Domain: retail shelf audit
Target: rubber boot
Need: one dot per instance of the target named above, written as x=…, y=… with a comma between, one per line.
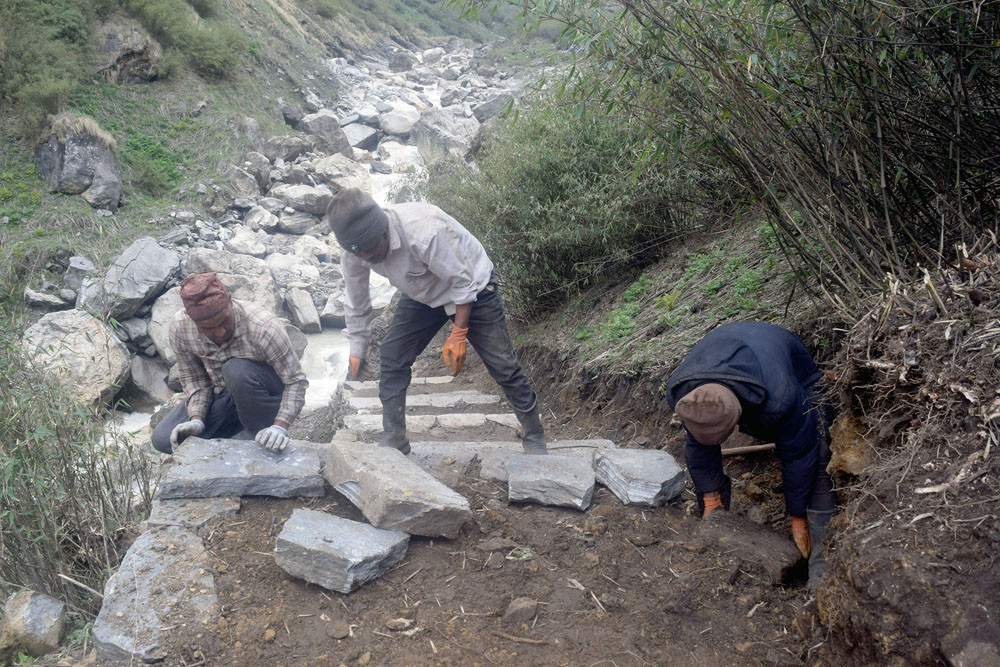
x=725, y=494
x=394, y=423
x=818, y=521
x=532, y=433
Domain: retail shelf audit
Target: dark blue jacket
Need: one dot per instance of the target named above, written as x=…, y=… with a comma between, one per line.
x=773, y=375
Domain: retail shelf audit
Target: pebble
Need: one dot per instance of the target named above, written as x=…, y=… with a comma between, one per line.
x=398, y=624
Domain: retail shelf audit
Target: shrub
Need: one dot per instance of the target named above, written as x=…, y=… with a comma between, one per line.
x=561, y=198
x=67, y=496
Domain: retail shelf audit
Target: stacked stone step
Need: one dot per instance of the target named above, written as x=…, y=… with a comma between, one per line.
x=567, y=477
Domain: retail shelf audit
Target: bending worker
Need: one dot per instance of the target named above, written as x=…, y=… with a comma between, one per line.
x=237, y=367
x=760, y=378
x=444, y=273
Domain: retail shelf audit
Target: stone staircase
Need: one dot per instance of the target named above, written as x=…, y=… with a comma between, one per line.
x=165, y=582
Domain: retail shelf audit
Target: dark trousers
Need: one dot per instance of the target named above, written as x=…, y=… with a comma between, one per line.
x=414, y=325
x=251, y=401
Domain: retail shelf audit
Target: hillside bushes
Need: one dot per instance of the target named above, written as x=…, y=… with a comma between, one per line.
x=561, y=198
x=866, y=128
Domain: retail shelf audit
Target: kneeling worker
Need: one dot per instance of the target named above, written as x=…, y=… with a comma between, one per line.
x=237, y=368
x=444, y=273
x=761, y=378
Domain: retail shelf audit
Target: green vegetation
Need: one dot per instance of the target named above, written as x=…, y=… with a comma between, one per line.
x=20, y=194
x=561, y=199
x=67, y=499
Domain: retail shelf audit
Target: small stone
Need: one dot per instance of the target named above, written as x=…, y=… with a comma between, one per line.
x=520, y=610
x=338, y=630
x=399, y=624
x=269, y=635
x=365, y=658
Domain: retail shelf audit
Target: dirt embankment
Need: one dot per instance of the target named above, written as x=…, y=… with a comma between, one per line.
x=912, y=574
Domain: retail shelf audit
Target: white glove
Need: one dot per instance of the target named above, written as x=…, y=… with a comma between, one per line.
x=184, y=429
x=273, y=438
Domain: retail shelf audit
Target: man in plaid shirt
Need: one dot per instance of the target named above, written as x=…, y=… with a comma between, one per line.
x=237, y=367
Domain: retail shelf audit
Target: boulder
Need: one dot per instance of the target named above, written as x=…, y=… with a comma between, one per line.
x=325, y=126
x=79, y=269
x=246, y=277
x=491, y=107
x=440, y=133
x=305, y=198
x=303, y=311
x=398, y=122
x=245, y=242
x=259, y=218
x=79, y=352
x=258, y=165
x=296, y=222
x=125, y=52
x=433, y=55
x=77, y=155
x=138, y=275
x=361, y=136
x=163, y=311
x=291, y=271
x=149, y=379
x=285, y=147
x=402, y=61
x=32, y=623
x=341, y=173
x=244, y=183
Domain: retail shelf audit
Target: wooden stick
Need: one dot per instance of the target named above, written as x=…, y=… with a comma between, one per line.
x=522, y=640
x=83, y=586
x=750, y=449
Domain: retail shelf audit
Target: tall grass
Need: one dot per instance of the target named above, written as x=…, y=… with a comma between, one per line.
x=68, y=497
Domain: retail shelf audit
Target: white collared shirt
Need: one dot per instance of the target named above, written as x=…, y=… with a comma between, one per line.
x=431, y=258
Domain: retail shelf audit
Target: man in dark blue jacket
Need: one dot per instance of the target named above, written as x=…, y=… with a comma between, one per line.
x=761, y=378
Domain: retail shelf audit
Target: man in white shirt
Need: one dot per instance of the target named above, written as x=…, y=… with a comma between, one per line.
x=444, y=273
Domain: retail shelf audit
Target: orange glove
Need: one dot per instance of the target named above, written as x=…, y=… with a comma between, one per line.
x=800, y=534
x=713, y=501
x=354, y=366
x=453, y=352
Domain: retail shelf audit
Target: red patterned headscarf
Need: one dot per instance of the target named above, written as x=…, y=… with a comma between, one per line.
x=204, y=295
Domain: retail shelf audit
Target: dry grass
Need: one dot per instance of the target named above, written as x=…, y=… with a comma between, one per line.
x=63, y=125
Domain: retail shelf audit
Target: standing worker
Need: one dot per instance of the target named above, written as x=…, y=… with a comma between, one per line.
x=758, y=377
x=444, y=273
x=237, y=367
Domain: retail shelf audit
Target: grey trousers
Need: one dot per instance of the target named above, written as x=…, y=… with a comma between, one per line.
x=251, y=401
x=414, y=325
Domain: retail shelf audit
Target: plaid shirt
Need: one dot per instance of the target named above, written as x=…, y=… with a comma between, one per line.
x=258, y=336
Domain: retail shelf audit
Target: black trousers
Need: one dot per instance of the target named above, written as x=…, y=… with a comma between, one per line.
x=250, y=400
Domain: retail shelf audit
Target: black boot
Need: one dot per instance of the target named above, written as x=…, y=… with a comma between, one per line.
x=818, y=521
x=532, y=433
x=394, y=423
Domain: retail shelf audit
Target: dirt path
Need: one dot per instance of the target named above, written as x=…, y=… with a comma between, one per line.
x=615, y=585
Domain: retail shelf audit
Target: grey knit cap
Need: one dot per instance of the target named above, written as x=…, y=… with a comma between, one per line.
x=356, y=220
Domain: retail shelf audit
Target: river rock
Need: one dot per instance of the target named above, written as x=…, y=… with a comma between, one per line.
x=303, y=311
x=32, y=623
x=440, y=133
x=79, y=352
x=138, y=275
x=341, y=173
x=305, y=198
x=325, y=126
x=158, y=328
x=247, y=278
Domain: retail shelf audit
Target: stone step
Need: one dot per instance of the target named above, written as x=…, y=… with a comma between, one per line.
x=338, y=554
x=564, y=481
x=640, y=476
x=366, y=424
x=447, y=460
x=372, y=385
x=450, y=399
x=392, y=491
x=165, y=581
x=221, y=467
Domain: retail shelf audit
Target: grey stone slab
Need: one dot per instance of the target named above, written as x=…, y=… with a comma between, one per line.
x=565, y=481
x=373, y=423
x=163, y=582
x=494, y=459
x=394, y=492
x=214, y=468
x=338, y=554
x=640, y=476
x=449, y=399
x=354, y=385
x=446, y=461
x=189, y=512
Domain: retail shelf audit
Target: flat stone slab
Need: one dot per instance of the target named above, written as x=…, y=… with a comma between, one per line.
x=355, y=385
x=448, y=399
x=364, y=424
x=394, y=492
x=164, y=584
x=338, y=554
x=221, y=467
x=189, y=512
x=566, y=481
x=776, y=554
x=494, y=460
x=640, y=476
